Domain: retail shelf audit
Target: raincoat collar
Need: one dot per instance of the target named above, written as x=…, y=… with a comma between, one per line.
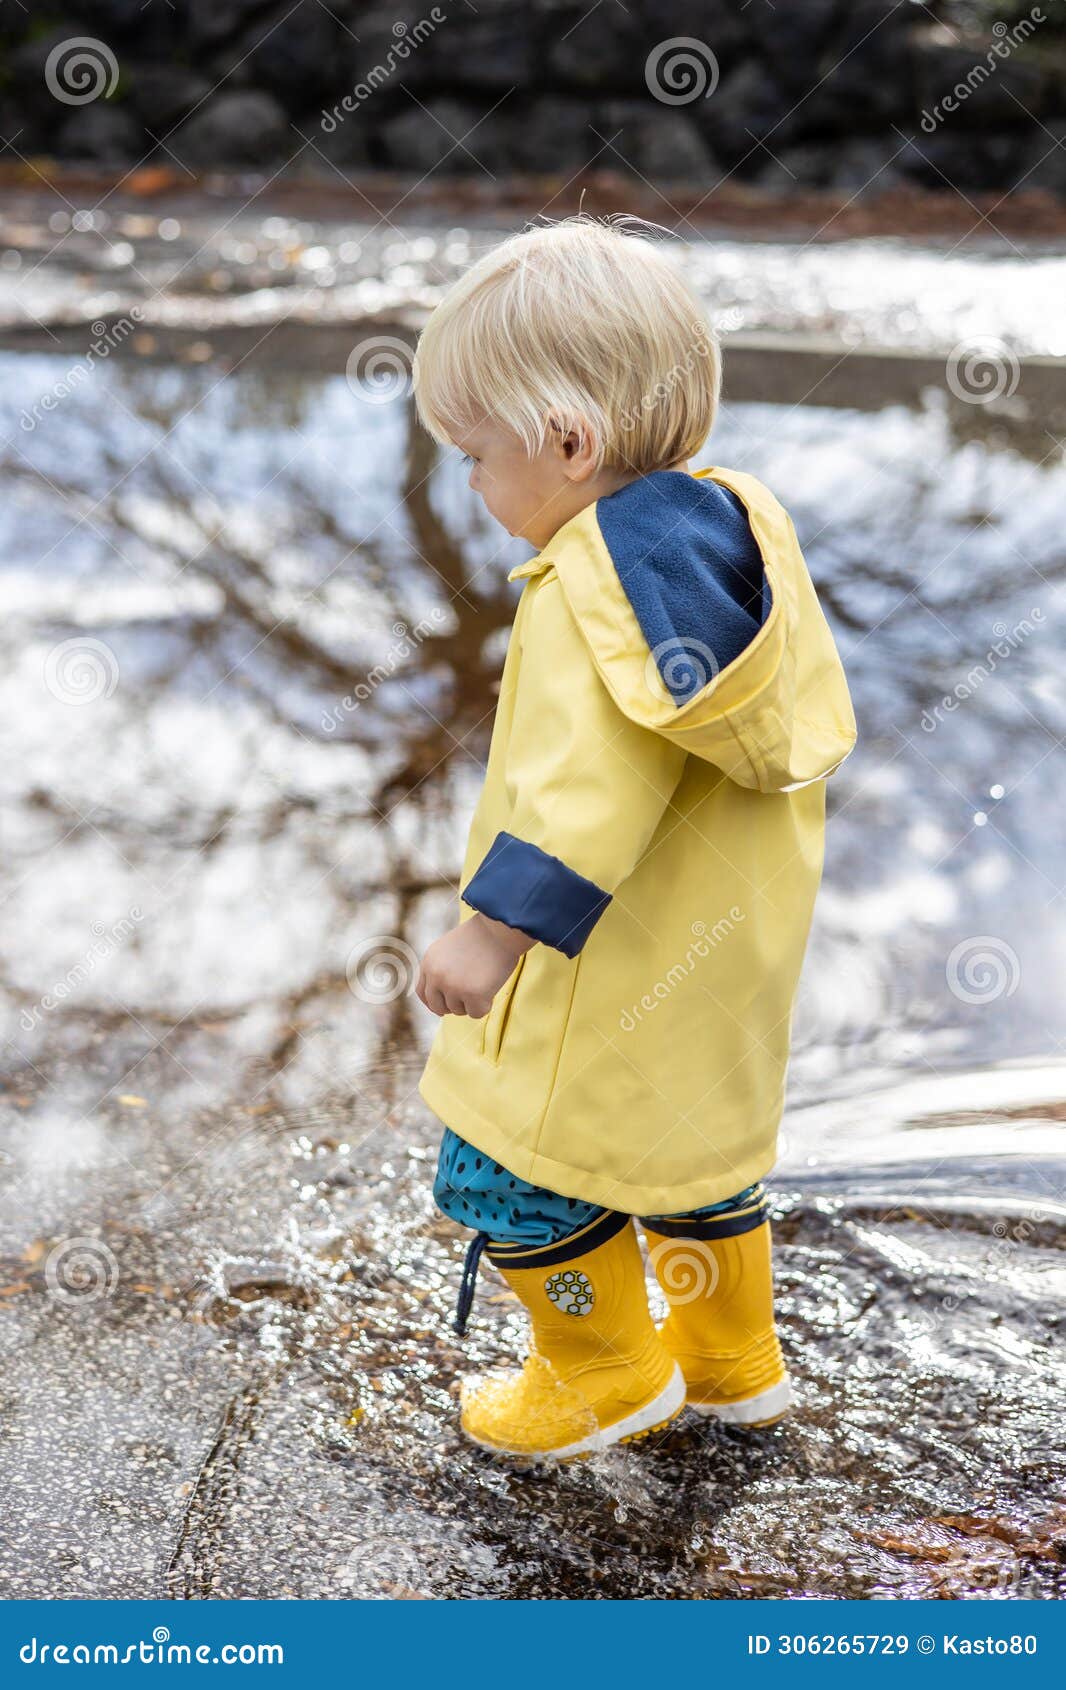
x=532, y=566
x=543, y=560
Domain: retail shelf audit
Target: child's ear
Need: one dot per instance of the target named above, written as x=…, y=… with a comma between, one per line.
x=574, y=445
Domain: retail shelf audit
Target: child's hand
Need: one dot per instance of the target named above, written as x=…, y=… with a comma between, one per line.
x=463, y=970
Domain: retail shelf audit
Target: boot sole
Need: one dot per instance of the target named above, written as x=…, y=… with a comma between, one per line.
x=766, y=1409
x=651, y=1418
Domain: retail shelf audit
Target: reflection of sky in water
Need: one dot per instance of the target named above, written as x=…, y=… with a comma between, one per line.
x=263, y=824
x=886, y=292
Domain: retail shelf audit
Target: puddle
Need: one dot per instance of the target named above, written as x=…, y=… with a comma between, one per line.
x=253, y=625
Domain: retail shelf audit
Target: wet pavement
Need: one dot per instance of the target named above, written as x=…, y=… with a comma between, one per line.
x=239, y=1381
x=190, y=263
x=253, y=623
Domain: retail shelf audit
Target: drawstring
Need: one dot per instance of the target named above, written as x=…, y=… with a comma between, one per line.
x=469, y=1281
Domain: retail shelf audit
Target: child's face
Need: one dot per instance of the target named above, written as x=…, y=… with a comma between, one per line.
x=533, y=497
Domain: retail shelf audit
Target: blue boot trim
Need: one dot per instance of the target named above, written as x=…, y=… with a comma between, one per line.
x=579, y=1243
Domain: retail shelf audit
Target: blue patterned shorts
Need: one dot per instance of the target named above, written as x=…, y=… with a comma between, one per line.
x=476, y=1191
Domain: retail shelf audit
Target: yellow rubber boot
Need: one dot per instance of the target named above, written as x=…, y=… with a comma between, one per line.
x=597, y=1372
x=720, y=1327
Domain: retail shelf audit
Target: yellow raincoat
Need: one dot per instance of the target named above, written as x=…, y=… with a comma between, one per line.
x=657, y=822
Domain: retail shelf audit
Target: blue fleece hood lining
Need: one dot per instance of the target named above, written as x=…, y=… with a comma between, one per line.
x=692, y=571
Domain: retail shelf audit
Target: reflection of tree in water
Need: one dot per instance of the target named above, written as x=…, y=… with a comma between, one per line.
x=282, y=614
x=898, y=572
x=276, y=587
x=1015, y=424
x=268, y=613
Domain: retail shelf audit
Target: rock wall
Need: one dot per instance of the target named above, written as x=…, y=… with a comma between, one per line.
x=853, y=95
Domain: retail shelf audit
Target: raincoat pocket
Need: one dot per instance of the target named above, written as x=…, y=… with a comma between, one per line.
x=494, y=1025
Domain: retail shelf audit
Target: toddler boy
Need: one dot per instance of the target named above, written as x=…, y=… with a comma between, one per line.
x=644, y=857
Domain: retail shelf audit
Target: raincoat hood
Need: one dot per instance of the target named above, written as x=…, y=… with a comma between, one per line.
x=693, y=597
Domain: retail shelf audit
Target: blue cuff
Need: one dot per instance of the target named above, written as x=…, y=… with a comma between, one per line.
x=523, y=887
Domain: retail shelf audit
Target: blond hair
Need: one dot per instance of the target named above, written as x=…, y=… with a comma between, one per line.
x=577, y=325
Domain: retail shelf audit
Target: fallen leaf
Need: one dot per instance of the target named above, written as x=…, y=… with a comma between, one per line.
x=44, y=169
x=151, y=179
x=1049, y=1544
x=904, y=1546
